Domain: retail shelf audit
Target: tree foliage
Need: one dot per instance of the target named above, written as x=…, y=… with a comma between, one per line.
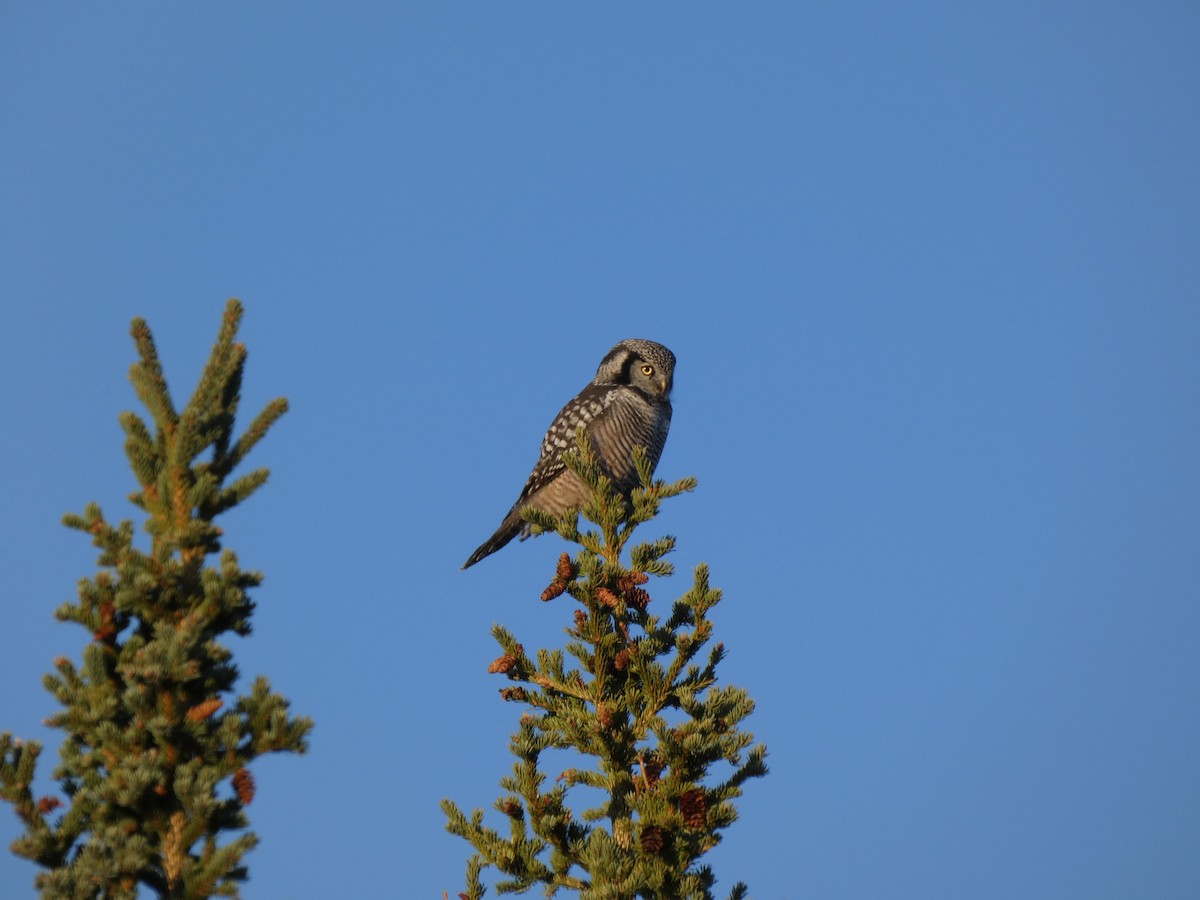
x=154, y=766
x=634, y=695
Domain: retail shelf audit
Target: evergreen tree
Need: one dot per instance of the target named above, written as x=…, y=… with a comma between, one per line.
x=646, y=721
x=154, y=765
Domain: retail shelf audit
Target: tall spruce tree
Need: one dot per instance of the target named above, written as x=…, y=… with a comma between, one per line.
x=646, y=722
x=154, y=764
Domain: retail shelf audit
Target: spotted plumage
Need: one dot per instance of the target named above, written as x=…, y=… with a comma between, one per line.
x=627, y=405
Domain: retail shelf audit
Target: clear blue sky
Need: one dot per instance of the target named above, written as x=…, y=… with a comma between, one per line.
x=932, y=277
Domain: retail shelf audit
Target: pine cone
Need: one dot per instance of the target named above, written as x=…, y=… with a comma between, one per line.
x=502, y=664
x=694, y=808
x=514, y=694
x=107, y=630
x=554, y=589
x=652, y=840
x=563, y=573
x=48, y=804
x=637, y=597
x=202, y=711
x=243, y=785
x=608, y=598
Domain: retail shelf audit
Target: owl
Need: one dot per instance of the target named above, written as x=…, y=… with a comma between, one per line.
x=627, y=405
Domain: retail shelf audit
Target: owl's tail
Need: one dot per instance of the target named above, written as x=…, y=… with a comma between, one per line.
x=509, y=529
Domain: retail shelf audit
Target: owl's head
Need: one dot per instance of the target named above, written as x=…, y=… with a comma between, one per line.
x=644, y=365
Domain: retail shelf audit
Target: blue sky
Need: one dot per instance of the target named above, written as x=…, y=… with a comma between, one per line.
x=930, y=271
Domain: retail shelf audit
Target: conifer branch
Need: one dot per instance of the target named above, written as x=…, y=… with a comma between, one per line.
x=256, y=431
x=154, y=765
x=664, y=799
x=148, y=380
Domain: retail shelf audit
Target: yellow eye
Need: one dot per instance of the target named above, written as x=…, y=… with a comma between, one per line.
x=647, y=370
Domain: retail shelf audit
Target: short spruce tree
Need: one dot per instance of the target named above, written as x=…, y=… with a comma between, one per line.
x=657, y=749
x=155, y=760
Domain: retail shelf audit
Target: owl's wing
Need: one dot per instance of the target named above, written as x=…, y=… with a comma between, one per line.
x=587, y=407
x=661, y=427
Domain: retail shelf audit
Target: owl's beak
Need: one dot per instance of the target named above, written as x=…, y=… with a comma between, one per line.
x=664, y=386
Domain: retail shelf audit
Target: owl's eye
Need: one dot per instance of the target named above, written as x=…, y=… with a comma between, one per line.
x=647, y=370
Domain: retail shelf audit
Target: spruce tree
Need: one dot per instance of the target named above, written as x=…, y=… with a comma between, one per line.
x=657, y=750
x=154, y=768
